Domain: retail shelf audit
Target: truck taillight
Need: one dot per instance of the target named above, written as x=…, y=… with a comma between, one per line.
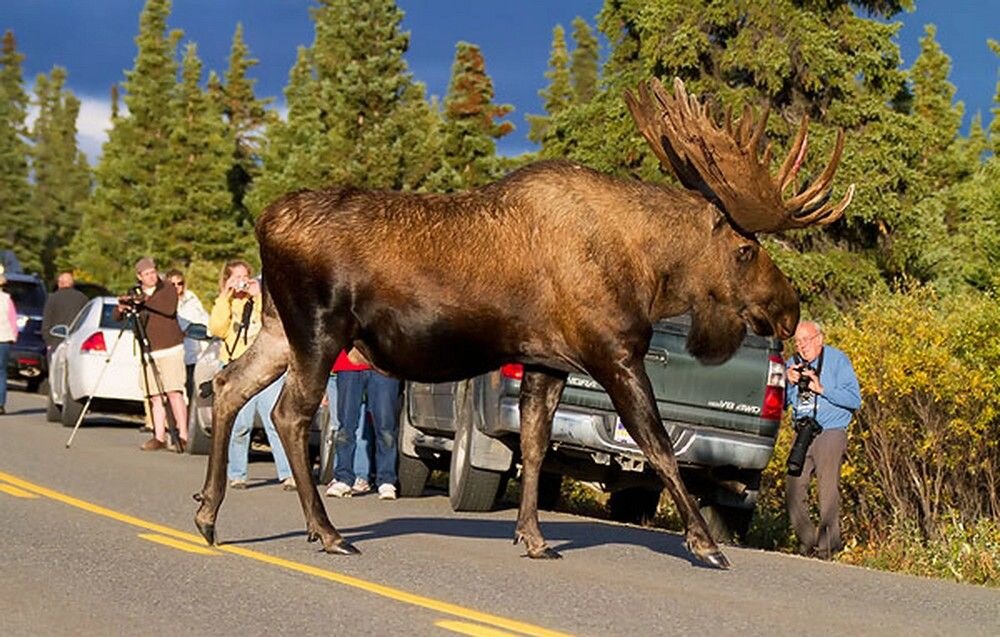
x=514, y=371
x=94, y=343
x=774, y=392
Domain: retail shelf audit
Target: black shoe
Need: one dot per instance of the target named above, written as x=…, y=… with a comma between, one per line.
x=2, y=410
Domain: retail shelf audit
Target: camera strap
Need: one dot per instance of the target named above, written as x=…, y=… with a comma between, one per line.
x=819, y=371
x=243, y=329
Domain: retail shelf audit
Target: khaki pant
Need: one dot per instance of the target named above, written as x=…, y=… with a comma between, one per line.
x=824, y=458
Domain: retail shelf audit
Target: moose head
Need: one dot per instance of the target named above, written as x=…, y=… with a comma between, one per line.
x=737, y=283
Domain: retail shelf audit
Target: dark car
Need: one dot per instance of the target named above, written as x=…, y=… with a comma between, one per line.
x=28, y=360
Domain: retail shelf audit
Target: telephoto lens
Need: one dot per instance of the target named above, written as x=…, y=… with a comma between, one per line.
x=806, y=430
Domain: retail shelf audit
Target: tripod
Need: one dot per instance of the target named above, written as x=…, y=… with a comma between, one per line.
x=134, y=322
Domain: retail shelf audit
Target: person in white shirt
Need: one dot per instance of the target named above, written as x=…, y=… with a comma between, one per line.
x=189, y=310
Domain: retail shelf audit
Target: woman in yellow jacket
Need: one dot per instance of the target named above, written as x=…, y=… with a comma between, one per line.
x=236, y=320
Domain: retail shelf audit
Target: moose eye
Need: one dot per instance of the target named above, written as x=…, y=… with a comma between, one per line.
x=745, y=253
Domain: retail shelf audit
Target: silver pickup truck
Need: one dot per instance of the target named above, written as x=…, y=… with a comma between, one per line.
x=723, y=421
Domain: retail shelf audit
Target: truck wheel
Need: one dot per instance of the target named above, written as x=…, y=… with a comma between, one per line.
x=34, y=385
x=199, y=441
x=728, y=525
x=469, y=488
x=413, y=470
x=549, y=490
x=634, y=505
x=53, y=413
x=71, y=409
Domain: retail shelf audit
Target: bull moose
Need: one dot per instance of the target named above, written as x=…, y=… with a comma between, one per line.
x=555, y=266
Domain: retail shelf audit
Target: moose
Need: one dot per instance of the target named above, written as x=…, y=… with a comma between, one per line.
x=556, y=266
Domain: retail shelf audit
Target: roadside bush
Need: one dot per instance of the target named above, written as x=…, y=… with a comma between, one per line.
x=924, y=443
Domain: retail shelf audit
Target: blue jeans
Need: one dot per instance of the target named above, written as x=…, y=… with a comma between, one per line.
x=381, y=395
x=364, y=444
x=4, y=356
x=239, y=442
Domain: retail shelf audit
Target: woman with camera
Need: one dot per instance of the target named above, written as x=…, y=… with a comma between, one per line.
x=235, y=318
x=824, y=394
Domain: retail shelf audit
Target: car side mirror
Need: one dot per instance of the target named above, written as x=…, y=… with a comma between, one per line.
x=198, y=332
x=59, y=331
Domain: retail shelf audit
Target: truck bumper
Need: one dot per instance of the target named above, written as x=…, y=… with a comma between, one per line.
x=601, y=432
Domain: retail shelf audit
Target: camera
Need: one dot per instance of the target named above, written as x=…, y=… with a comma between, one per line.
x=806, y=430
x=132, y=300
x=241, y=286
x=803, y=383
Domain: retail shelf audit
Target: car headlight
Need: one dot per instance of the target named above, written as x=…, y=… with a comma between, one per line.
x=21, y=322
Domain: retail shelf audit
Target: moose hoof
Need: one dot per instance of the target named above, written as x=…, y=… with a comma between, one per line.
x=207, y=531
x=342, y=547
x=715, y=559
x=545, y=553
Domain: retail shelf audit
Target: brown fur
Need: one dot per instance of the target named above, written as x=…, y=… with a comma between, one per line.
x=556, y=266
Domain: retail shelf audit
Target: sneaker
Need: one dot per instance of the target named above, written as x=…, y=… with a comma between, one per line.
x=3, y=411
x=153, y=445
x=339, y=489
x=288, y=484
x=238, y=483
x=387, y=491
x=361, y=486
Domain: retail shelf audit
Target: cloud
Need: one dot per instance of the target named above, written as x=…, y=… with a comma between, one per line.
x=92, y=125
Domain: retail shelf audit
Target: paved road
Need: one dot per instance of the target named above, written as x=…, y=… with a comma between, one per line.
x=98, y=540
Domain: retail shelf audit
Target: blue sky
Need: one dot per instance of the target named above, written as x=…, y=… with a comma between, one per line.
x=95, y=41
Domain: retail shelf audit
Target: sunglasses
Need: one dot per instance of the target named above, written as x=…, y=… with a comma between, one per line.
x=178, y=284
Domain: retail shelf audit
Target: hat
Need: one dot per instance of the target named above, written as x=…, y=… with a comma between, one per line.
x=144, y=264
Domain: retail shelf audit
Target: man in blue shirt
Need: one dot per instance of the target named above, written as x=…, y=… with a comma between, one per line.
x=832, y=397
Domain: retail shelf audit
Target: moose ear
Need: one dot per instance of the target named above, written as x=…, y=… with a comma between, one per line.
x=719, y=219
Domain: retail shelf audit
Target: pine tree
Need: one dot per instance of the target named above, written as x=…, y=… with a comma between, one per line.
x=559, y=93
x=191, y=192
x=584, y=65
x=60, y=171
x=356, y=102
x=995, y=122
x=123, y=219
x=471, y=120
x=19, y=224
x=246, y=117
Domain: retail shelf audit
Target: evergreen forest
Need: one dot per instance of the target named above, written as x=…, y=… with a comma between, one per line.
x=906, y=282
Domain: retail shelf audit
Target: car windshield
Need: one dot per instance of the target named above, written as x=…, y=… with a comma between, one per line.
x=29, y=296
x=108, y=319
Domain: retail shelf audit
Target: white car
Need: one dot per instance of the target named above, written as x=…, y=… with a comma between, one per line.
x=98, y=357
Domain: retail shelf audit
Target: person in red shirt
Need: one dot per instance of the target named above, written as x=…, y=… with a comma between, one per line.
x=359, y=384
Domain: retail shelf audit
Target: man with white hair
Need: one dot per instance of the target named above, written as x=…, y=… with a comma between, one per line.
x=830, y=395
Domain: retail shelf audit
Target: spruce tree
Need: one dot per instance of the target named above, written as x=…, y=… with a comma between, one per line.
x=19, y=224
x=356, y=100
x=190, y=191
x=246, y=118
x=123, y=219
x=60, y=173
x=471, y=120
x=558, y=95
x=584, y=65
x=995, y=122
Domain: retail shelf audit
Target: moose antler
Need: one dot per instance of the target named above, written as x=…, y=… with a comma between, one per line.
x=721, y=162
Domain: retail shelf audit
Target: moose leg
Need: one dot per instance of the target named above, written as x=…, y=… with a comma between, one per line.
x=257, y=368
x=540, y=392
x=631, y=392
x=300, y=397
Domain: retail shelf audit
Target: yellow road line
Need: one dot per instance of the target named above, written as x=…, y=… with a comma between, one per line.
x=17, y=493
x=475, y=630
x=178, y=544
x=333, y=576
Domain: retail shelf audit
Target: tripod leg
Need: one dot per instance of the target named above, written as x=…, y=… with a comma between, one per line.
x=97, y=385
x=148, y=360
x=258, y=367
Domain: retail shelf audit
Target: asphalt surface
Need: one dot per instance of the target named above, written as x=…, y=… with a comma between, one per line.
x=98, y=539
